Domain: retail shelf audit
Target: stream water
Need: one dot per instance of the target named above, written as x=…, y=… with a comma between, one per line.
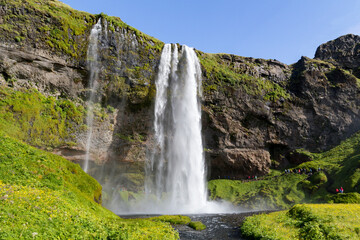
x=218, y=226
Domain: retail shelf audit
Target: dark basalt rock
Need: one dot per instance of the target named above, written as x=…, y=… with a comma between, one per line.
x=323, y=110
x=343, y=51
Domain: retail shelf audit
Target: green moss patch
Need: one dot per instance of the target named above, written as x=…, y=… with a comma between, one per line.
x=221, y=74
x=41, y=121
x=53, y=23
x=175, y=220
x=198, y=226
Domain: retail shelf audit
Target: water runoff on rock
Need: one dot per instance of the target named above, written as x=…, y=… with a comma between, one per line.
x=93, y=67
x=175, y=171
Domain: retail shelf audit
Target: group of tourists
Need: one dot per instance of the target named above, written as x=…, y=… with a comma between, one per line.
x=302, y=171
x=340, y=190
x=248, y=178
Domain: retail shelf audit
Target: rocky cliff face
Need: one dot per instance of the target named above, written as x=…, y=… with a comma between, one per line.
x=320, y=110
x=254, y=110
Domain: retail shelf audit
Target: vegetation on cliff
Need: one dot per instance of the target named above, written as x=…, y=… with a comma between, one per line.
x=43, y=195
x=54, y=23
x=41, y=121
x=221, y=73
x=308, y=221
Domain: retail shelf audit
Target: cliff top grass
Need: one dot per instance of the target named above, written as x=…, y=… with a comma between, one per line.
x=54, y=25
x=220, y=73
x=307, y=221
x=45, y=196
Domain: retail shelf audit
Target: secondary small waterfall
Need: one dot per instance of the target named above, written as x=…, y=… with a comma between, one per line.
x=176, y=170
x=93, y=67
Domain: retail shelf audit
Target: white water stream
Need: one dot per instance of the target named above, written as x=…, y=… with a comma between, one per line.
x=93, y=67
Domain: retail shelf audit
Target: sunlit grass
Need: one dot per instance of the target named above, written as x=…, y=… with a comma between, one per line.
x=43, y=195
x=308, y=221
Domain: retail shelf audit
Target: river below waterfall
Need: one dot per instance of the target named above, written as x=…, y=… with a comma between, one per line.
x=218, y=226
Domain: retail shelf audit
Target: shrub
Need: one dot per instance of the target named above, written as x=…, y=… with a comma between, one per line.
x=352, y=197
x=198, y=226
x=175, y=220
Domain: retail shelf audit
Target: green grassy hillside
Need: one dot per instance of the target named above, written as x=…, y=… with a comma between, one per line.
x=46, y=196
x=340, y=168
x=310, y=221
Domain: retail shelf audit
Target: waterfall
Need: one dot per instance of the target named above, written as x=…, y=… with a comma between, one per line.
x=93, y=67
x=176, y=172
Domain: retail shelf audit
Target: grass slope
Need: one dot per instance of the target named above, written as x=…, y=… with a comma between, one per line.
x=43, y=195
x=341, y=168
x=308, y=221
x=270, y=193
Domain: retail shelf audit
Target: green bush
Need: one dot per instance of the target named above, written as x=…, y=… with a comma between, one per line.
x=319, y=178
x=175, y=220
x=352, y=197
x=306, y=221
x=198, y=226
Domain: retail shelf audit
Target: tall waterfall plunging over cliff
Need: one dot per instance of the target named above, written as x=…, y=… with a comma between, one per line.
x=93, y=67
x=176, y=169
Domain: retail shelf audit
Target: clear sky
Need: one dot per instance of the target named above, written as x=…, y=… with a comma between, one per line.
x=278, y=29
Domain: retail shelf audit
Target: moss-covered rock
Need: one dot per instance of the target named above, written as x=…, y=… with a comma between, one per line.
x=198, y=226
x=45, y=122
x=175, y=220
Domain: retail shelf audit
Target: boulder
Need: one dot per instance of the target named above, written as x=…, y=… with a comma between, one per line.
x=343, y=51
x=240, y=163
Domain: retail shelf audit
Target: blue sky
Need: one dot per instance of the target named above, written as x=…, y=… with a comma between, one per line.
x=278, y=29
